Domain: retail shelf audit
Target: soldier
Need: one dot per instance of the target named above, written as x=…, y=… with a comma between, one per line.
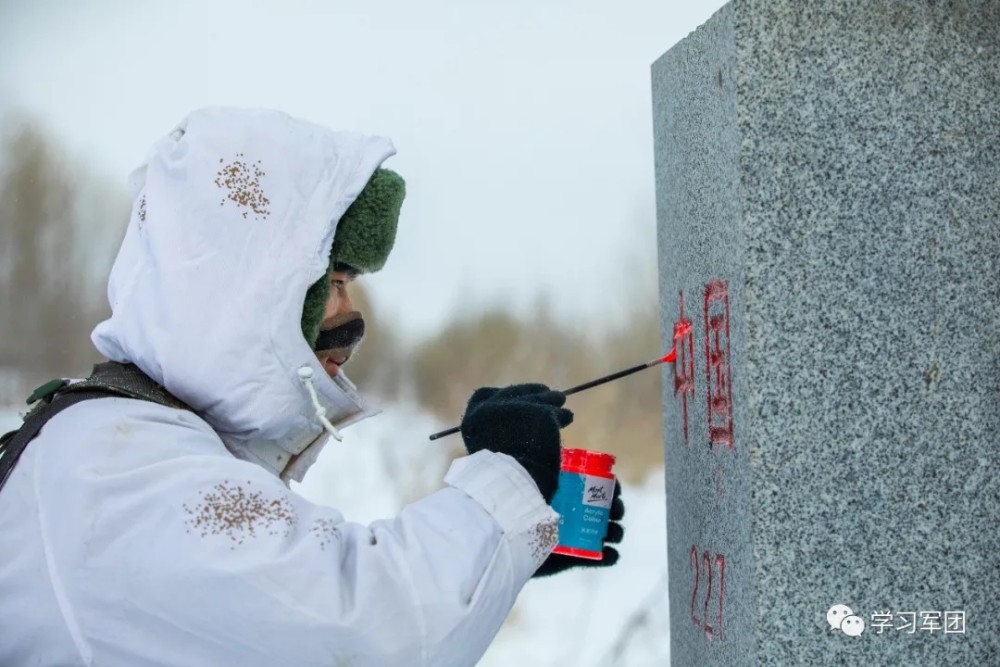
x=153, y=524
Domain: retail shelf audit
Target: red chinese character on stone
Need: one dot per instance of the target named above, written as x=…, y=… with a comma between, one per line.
x=684, y=363
x=717, y=364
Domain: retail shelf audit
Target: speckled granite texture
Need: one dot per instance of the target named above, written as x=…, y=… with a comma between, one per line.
x=837, y=164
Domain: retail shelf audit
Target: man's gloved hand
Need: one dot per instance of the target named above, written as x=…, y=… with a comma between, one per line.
x=558, y=562
x=523, y=421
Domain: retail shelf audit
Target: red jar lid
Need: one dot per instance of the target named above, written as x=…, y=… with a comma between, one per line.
x=587, y=462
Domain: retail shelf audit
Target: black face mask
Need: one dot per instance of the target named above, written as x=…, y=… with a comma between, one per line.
x=341, y=333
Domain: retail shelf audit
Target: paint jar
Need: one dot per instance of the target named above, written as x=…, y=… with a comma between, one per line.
x=583, y=501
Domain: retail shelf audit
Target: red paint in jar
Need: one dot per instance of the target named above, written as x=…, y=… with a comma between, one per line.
x=583, y=500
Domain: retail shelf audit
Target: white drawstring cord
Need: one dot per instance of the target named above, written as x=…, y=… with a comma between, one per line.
x=306, y=376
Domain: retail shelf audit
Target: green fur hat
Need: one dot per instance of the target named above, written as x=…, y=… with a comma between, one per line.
x=365, y=235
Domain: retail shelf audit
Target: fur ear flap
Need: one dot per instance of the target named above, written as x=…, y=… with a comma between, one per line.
x=312, y=311
x=365, y=236
x=367, y=230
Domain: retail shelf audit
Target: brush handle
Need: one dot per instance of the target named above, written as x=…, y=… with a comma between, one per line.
x=573, y=390
x=608, y=378
x=441, y=434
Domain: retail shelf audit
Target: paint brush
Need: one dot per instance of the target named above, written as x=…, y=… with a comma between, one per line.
x=668, y=358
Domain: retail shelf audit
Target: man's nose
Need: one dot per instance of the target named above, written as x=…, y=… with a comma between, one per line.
x=345, y=304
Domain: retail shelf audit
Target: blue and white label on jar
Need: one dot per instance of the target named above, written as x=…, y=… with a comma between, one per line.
x=584, y=505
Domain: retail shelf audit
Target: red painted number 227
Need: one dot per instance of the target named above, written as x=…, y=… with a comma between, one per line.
x=709, y=565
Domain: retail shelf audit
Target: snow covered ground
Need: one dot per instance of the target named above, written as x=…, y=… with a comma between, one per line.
x=615, y=617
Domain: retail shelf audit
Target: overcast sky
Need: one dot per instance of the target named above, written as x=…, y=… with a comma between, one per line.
x=523, y=129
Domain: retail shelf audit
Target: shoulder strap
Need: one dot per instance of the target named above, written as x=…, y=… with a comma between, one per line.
x=13, y=443
x=128, y=381
x=108, y=379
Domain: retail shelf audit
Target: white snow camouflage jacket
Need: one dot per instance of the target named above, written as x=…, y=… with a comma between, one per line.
x=134, y=534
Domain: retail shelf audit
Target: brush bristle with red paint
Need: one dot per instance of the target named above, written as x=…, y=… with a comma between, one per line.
x=681, y=329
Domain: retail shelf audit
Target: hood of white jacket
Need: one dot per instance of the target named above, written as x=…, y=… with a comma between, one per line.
x=233, y=218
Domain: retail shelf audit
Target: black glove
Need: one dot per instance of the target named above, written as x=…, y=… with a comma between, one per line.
x=523, y=421
x=558, y=562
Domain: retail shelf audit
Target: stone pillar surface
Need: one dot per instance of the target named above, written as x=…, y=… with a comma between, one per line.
x=828, y=203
